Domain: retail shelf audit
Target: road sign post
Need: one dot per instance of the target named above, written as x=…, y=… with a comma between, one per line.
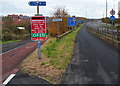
x=72, y=22
x=37, y=3
x=112, y=18
x=57, y=20
x=38, y=24
x=112, y=12
x=38, y=30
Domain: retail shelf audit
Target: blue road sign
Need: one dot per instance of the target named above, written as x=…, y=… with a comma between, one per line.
x=80, y=21
x=71, y=21
x=38, y=44
x=37, y=3
x=86, y=21
x=112, y=18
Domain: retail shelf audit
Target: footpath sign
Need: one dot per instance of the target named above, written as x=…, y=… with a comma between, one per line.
x=112, y=18
x=38, y=28
x=37, y=3
x=71, y=21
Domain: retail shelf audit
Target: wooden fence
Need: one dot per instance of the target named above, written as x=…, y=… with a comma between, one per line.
x=107, y=33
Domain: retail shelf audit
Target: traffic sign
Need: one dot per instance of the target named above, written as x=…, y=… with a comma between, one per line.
x=112, y=18
x=37, y=3
x=71, y=21
x=38, y=28
x=80, y=21
x=55, y=20
x=38, y=44
x=112, y=12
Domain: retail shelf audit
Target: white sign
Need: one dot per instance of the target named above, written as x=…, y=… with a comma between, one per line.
x=55, y=20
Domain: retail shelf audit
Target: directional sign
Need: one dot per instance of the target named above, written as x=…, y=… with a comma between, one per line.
x=38, y=28
x=80, y=21
x=112, y=18
x=55, y=20
x=71, y=21
x=37, y=3
x=112, y=12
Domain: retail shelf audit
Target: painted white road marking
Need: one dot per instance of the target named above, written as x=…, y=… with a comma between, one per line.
x=8, y=79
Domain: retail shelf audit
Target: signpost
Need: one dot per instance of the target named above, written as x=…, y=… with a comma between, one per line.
x=37, y=3
x=71, y=21
x=38, y=25
x=112, y=18
x=38, y=30
x=80, y=21
x=112, y=12
x=57, y=19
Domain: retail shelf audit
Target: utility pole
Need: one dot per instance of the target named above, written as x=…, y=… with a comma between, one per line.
x=106, y=12
x=114, y=4
x=86, y=13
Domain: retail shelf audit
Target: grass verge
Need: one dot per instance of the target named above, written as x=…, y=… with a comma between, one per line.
x=4, y=42
x=55, y=58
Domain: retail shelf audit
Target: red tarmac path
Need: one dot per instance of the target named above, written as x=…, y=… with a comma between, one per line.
x=12, y=58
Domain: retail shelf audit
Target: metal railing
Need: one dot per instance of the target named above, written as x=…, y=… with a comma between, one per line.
x=62, y=35
x=107, y=33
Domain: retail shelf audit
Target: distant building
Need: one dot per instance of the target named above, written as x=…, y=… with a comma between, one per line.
x=13, y=16
x=119, y=9
x=19, y=18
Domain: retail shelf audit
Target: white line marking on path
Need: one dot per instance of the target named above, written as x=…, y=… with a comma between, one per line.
x=8, y=79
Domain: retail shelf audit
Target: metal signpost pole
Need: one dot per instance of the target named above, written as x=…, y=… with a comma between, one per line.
x=36, y=34
x=57, y=32
x=112, y=18
x=39, y=51
x=112, y=32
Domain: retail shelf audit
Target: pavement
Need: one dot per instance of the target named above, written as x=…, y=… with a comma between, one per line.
x=94, y=61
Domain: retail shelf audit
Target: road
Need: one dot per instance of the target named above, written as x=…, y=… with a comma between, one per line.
x=94, y=61
x=8, y=46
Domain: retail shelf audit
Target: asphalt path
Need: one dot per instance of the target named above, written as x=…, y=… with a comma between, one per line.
x=94, y=61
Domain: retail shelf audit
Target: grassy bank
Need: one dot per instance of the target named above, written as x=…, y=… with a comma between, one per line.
x=4, y=42
x=55, y=58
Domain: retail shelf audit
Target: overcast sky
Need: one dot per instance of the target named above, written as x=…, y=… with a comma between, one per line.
x=82, y=8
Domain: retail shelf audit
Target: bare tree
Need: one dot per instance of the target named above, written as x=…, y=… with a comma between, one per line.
x=60, y=12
